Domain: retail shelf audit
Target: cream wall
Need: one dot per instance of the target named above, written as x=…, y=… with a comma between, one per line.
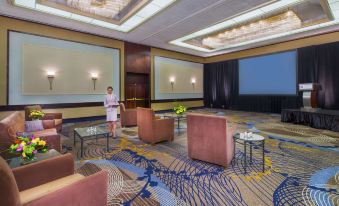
x=170, y=105
x=38, y=59
x=7, y=24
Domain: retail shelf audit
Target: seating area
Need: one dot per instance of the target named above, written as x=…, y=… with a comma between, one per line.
x=169, y=102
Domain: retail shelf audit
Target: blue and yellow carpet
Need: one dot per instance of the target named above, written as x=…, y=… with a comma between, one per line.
x=301, y=167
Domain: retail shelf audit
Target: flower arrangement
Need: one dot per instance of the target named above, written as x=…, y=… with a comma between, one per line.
x=179, y=110
x=28, y=147
x=36, y=114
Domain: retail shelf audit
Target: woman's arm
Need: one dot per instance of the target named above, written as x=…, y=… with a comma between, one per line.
x=106, y=103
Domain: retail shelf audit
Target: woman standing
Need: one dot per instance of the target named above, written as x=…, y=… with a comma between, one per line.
x=111, y=104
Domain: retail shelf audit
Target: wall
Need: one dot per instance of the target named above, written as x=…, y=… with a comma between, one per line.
x=44, y=30
x=174, y=55
x=182, y=73
x=9, y=24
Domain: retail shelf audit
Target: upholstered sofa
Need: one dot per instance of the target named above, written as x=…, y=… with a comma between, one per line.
x=57, y=117
x=209, y=139
x=15, y=122
x=152, y=129
x=128, y=117
x=51, y=182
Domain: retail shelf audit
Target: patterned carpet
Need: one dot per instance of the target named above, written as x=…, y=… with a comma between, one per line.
x=301, y=167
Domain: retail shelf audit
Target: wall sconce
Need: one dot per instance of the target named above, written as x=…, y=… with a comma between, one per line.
x=193, y=83
x=50, y=76
x=94, y=79
x=172, y=80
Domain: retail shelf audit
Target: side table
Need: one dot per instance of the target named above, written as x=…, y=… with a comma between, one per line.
x=254, y=140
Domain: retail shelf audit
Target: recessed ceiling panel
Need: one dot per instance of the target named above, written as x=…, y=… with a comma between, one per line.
x=120, y=15
x=270, y=21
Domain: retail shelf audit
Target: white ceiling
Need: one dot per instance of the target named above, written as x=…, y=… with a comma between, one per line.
x=180, y=19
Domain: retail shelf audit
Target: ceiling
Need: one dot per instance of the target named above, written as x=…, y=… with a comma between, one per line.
x=180, y=19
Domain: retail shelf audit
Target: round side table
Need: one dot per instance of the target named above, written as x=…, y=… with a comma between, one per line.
x=254, y=140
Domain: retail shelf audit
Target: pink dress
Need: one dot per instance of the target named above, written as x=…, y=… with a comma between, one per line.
x=111, y=112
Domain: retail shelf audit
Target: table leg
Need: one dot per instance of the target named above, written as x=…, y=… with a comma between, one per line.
x=250, y=153
x=245, y=156
x=81, y=147
x=178, y=126
x=263, y=156
x=107, y=142
x=74, y=137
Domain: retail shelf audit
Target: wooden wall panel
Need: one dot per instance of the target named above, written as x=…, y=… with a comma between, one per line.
x=137, y=58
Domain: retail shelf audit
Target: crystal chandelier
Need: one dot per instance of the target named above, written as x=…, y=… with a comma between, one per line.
x=284, y=22
x=104, y=8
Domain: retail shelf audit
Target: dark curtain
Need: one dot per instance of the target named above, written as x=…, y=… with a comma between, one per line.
x=320, y=64
x=221, y=91
x=220, y=83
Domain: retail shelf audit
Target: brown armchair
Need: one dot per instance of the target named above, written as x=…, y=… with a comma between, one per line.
x=15, y=122
x=209, y=139
x=152, y=129
x=128, y=117
x=51, y=182
x=57, y=117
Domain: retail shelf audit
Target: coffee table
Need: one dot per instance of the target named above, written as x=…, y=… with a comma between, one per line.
x=178, y=118
x=17, y=162
x=89, y=133
x=254, y=140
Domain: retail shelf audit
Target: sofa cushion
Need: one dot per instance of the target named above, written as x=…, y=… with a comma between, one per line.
x=34, y=193
x=46, y=132
x=9, y=192
x=33, y=126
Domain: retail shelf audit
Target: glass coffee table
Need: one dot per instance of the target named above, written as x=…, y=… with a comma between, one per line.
x=178, y=118
x=254, y=140
x=17, y=162
x=90, y=133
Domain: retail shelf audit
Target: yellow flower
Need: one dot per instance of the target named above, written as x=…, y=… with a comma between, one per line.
x=23, y=143
x=24, y=154
x=42, y=142
x=36, y=140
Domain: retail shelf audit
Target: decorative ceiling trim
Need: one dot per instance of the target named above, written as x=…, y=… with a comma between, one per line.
x=146, y=12
x=264, y=10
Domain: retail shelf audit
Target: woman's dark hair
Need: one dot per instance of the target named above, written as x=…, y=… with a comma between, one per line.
x=109, y=87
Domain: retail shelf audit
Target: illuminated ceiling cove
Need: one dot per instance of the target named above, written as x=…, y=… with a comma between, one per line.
x=120, y=15
x=268, y=22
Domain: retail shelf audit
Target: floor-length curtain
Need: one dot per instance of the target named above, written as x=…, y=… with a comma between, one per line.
x=220, y=83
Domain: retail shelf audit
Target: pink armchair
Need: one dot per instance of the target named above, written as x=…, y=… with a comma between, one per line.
x=128, y=117
x=15, y=122
x=152, y=129
x=57, y=117
x=51, y=182
x=209, y=139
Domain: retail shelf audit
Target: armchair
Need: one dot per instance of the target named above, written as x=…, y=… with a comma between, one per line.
x=15, y=122
x=51, y=182
x=128, y=117
x=209, y=139
x=57, y=117
x=152, y=129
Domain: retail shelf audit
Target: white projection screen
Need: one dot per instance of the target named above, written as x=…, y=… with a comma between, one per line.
x=182, y=72
x=31, y=57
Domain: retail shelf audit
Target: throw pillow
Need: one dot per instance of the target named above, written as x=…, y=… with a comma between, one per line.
x=34, y=126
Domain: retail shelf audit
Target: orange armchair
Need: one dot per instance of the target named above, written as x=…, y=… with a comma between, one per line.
x=209, y=139
x=51, y=182
x=152, y=129
x=128, y=117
